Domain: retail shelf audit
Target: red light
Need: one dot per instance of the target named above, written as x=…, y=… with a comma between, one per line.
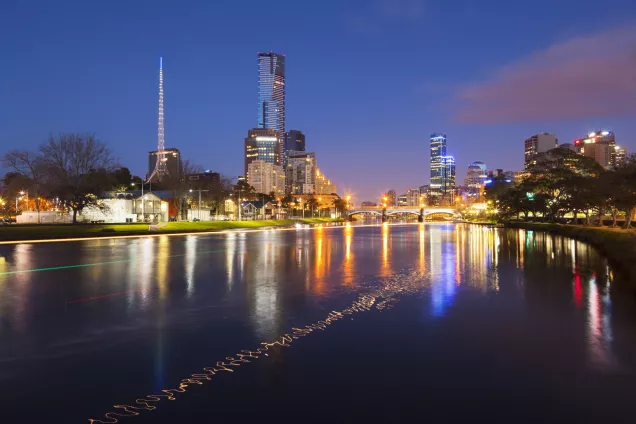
x=577, y=141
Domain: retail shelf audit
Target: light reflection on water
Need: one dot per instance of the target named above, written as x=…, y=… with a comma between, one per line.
x=264, y=281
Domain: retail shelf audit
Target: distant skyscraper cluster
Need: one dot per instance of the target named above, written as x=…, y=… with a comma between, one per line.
x=270, y=148
x=442, y=188
x=601, y=146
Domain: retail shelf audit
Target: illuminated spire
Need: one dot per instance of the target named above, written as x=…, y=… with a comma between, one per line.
x=161, y=169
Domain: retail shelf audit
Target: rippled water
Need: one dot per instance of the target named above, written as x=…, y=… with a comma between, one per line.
x=431, y=322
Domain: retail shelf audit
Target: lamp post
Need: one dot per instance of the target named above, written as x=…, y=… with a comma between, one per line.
x=143, y=202
x=199, y=204
x=25, y=193
x=238, y=204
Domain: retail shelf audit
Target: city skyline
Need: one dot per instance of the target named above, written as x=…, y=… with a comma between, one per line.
x=96, y=85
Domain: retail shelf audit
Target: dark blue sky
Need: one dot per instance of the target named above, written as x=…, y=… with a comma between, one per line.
x=367, y=81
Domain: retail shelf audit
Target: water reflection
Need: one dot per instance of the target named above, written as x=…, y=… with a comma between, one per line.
x=191, y=263
x=385, y=249
x=260, y=282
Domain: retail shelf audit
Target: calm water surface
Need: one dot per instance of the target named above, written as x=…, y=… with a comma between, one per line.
x=450, y=323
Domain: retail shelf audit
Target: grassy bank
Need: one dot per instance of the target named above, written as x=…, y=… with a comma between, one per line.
x=64, y=231
x=618, y=246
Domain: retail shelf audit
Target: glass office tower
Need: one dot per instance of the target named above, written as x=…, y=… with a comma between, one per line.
x=271, y=92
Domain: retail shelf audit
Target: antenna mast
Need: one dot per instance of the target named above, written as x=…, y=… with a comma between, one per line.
x=161, y=170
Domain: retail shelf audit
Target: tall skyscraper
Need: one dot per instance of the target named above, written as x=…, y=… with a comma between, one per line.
x=442, y=186
x=262, y=144
x=438, y=150
x=600, y=145
x=539, y=143
x=271, y=91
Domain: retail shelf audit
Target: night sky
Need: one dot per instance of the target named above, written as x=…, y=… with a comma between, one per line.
x=367, y=81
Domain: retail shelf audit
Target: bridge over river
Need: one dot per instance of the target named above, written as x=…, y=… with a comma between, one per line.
x=422, y=213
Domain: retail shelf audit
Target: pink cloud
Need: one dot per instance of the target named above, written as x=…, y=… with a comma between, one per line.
x=588, y=76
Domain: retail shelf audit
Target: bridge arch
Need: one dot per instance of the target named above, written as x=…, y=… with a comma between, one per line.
x=358, y=212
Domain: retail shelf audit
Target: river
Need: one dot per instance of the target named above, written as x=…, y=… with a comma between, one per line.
x=424, y=322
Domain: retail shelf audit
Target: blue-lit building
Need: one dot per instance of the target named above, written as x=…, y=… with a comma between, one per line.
x=442, y=186
x=271, y=92
x=497, y=178
x=438, y=150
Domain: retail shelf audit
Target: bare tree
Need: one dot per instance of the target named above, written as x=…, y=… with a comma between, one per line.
x=78, y=167
x=30, y=165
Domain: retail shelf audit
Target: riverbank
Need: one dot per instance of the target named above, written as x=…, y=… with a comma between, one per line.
x=19, y=233
x=617, y=245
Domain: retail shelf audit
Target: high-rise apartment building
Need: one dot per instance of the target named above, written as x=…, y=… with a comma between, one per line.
x=172, y=160
x=262, y=144
x=266, y=177
x=600, y=145
x=300, y=172
x=271, y=91
x=539, y=143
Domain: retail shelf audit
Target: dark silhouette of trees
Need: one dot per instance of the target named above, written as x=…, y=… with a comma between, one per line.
x=78, y=168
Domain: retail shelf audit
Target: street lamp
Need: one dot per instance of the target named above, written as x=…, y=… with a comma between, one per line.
x=199, y=204
x=238, y=204
x=26, y=193
x=143, y=203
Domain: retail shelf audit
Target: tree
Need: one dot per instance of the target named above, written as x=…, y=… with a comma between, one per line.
x=625, y=189
x=312, y=203
x=78, y=168
x=122, y=179
x=340, y=206
x=30, y=165
x=243, y=190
